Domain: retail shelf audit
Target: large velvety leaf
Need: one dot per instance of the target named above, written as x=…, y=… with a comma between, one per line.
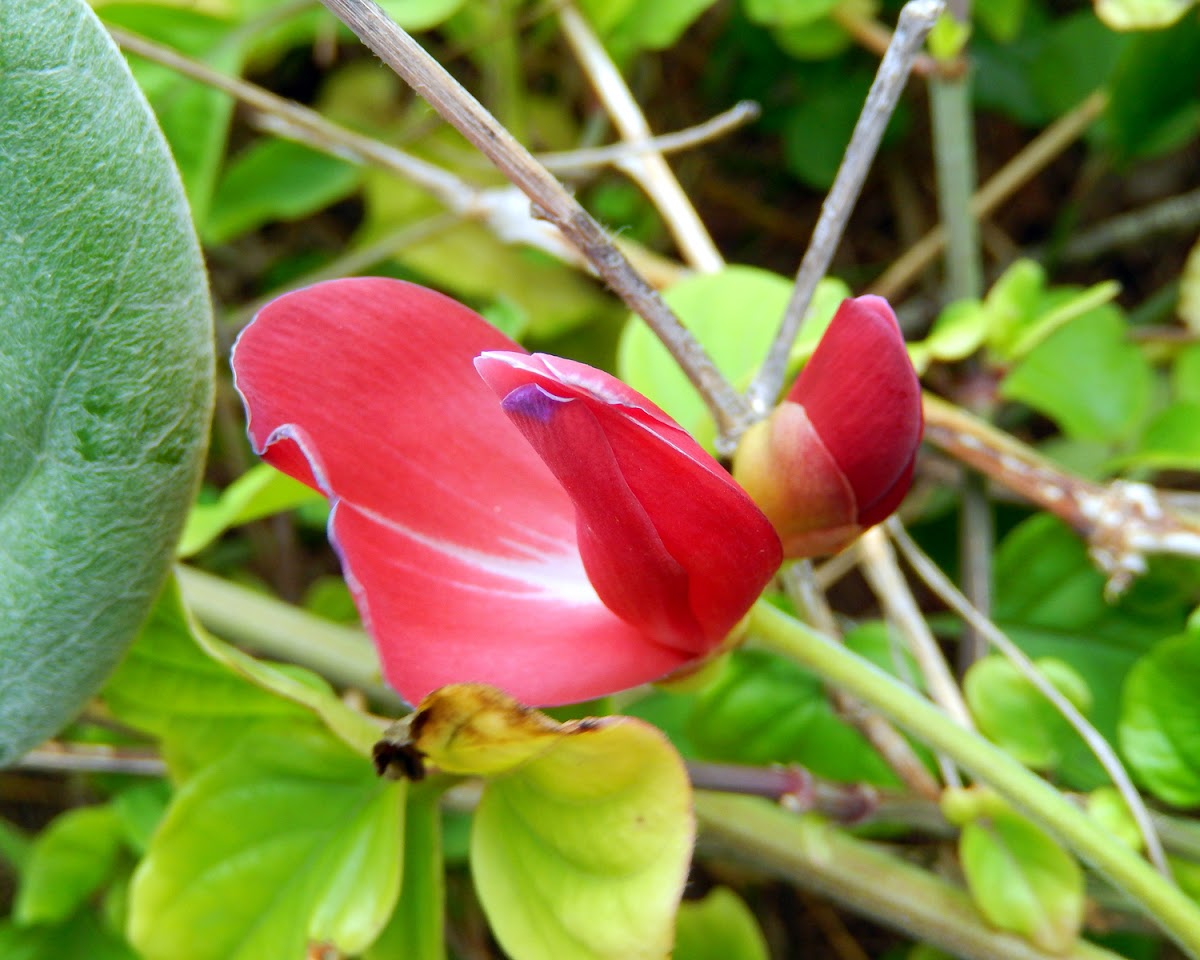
x=285, y=841
x=105, y=357
x=583, y=836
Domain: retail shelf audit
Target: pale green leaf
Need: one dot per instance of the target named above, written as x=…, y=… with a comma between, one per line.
x=1189, y=293
x=283, y=842
x=1160, y=720
x=719, y=927
x=105, y=357
x=417, y=928
x=1022, y=880
x=734, y=314
x=1141, y=14
x=1012, y=713
x=70, y=860
x=1088, y=377
x=582, y=853
x=420, y=14
x=259, y=492
x=169, y=687
x=583, y=835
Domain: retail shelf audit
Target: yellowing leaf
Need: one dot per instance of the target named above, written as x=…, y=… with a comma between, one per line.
x=583, y=836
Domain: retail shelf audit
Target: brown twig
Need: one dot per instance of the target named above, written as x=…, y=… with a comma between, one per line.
x=647, y=169
x=1121, y=521
x=551, y=201
x=916, y=19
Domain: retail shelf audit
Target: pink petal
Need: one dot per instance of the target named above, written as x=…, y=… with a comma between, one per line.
x=863, y=397
x=669, y=540
x=457, y=541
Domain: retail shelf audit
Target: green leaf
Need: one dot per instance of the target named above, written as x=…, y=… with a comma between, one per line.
x=1088, y=377
x=583, y=852
x=420, y=14
x=1049, y=598
x=1059, y=310
x=169, y=687
x=1141, y=14
x=1152, y=103
x=1171, y=441
x=1108, y=807
x=1022, y=880
x=1001, y=18
x=276, y=180
x=416, y=930
x=628, y=28
x=1185, y=374
x=817, y=130
x=1011, y=305
x=709, y=305
x=260, y=492
x=194, y=116
x=1012, y=713
x=70, y=860
x=763, y=710
x=1160, y=720
x=83, y=937
x=283, y=842
x=301, y=687
x=787, y=13
x=583, y=836
x=106, y=357
x=140, y=808
x=719, y=927
x=958, y=331
x=15, y=847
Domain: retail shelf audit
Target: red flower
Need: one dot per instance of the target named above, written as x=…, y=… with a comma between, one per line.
x=506, y=518
x=837, y=455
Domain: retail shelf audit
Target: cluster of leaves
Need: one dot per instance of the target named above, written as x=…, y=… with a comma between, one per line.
x=269, y=831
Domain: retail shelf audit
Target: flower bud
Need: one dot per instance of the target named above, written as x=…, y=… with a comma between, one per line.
x=837, y=455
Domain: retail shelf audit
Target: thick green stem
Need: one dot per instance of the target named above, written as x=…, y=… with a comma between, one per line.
x=820, y=857
x=1161, y=900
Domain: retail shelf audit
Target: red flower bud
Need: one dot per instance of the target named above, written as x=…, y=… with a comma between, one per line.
x=837, y=455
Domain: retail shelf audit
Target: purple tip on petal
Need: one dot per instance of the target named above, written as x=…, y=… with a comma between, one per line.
x=532, y=402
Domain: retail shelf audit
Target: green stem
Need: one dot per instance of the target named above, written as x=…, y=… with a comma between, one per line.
x=818, y=856
x=954, y=160
x=1165, y=903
